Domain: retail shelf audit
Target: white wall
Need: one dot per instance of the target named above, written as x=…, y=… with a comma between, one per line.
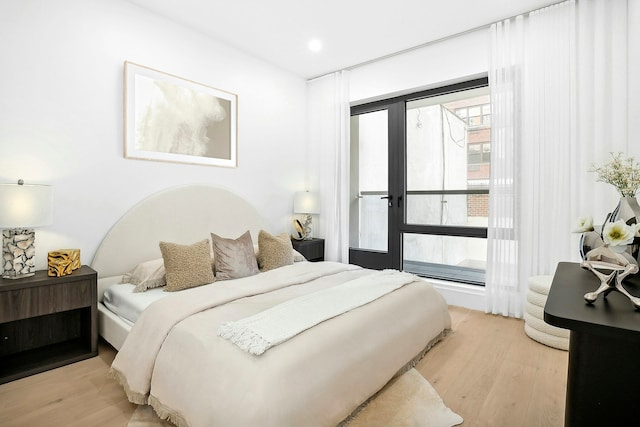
x=61, y=115
x=449, y=61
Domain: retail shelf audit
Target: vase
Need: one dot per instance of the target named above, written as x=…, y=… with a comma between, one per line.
x=628, y=210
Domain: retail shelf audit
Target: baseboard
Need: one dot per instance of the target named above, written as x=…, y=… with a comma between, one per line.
x=460, y=294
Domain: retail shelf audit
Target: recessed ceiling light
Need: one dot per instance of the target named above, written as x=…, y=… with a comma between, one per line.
x=315, y=45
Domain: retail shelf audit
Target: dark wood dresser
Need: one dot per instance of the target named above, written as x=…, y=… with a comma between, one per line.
x=604, y=347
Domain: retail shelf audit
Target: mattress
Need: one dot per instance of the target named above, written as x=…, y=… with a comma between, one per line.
x=128, y=305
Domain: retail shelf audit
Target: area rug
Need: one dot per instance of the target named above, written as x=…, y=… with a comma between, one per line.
x=408, y=401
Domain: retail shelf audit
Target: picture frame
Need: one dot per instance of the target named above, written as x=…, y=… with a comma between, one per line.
x=172, y=119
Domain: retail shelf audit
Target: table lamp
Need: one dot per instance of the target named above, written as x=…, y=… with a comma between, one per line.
x=22, y=207
x=305, y=203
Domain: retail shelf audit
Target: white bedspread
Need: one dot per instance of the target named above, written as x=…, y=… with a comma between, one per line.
x=174, y=359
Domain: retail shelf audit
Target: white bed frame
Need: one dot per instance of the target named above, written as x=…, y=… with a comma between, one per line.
x=185, y=215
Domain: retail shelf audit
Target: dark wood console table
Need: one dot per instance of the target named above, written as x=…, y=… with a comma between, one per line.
x=604, y=348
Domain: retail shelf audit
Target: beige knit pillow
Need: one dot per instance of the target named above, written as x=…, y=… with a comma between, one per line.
x=187, y=266
x=274, y=251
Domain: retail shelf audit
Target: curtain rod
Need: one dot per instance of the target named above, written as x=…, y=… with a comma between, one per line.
x=432, y=42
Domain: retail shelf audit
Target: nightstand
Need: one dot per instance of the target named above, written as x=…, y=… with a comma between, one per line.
x=312, y=249
x=47, y=322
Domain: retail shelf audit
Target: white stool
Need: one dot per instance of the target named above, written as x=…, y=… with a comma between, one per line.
x=534, y=324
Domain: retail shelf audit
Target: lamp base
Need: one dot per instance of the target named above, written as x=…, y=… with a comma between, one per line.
x=18, y=253
x=306, y=235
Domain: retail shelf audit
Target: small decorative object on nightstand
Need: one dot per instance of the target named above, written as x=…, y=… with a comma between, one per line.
x=63, y=262
x=305, y=203
x=47, y=322
x=311, y=249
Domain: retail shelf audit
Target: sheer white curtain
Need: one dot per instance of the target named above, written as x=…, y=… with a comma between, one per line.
x=558, y=106
x=601, y=100
x=502, y=291
x=328, y=124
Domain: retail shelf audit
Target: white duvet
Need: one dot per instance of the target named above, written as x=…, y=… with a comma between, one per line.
x=174, y=359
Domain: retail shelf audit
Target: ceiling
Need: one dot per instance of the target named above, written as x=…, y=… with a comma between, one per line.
x=352, y=31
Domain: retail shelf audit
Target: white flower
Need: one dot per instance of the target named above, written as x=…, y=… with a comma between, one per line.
x=584, y=224
x=618, y=233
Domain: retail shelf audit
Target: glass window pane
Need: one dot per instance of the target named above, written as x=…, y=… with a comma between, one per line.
x=368, y=213
x=449, y=209
x=448, y=257
x=373, y=233
x=475, y=121
x=474, y=111
x=436, y=149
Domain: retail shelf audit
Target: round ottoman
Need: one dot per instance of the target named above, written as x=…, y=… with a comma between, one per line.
x=534, y=324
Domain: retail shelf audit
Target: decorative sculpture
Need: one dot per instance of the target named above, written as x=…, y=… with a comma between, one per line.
x=619, y=266
x=63, y=262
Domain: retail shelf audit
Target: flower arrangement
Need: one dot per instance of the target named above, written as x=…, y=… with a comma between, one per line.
x=622, y=173
x=616, y=235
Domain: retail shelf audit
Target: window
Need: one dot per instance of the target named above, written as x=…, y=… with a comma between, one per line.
x=475, y=115
x=426, y=208
x=479, y=153
x=448, y=156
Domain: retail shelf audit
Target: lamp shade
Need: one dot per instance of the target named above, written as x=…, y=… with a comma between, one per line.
x=25, y=205
x=306, y=202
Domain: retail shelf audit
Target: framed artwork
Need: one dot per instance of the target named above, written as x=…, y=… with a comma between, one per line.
x=171, y=119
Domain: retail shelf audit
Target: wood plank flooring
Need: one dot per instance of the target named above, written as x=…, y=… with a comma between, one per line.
x=492, y=374
x=487, y=370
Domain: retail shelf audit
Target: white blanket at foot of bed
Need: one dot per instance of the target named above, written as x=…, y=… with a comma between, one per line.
x=260, y=332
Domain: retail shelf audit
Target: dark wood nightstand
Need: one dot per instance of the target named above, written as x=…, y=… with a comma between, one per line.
x=47, y=322
x=312, y=249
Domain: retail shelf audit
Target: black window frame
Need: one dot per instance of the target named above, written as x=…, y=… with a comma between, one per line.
x=397, y=185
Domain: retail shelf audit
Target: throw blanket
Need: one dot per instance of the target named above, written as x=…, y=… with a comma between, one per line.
x=134, y=363
x=257, y=333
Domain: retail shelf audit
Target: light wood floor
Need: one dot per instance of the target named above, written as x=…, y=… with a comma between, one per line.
x=487, y=370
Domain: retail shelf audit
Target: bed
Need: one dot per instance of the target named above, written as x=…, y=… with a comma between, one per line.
x=175, y=357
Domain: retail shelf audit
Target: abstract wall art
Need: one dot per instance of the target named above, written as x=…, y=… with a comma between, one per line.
x=168, y=118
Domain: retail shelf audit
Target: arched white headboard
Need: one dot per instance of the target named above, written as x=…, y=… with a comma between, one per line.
x=184, y=214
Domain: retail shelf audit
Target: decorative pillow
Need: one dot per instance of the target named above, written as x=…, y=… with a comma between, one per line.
x=146, y=275
x=187, y=266
x=297, y=256
x=274, y=251
x=234, y=258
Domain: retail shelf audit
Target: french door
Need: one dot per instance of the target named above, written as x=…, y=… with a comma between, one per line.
x=375, y=194
x=419, y=182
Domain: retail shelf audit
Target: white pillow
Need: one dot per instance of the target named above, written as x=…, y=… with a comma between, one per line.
x=146, y=275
